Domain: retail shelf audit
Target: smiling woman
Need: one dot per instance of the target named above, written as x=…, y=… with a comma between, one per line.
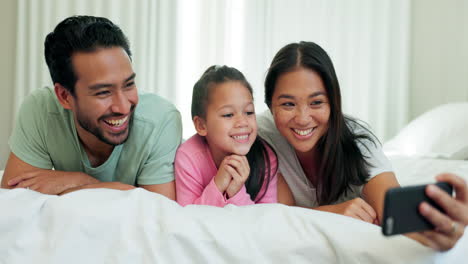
x=331, y=162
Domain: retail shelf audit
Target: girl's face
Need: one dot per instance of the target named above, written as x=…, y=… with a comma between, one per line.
x=301, y=109
x=230, y=126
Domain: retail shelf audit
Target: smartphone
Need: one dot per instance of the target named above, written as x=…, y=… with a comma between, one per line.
x=401, y=213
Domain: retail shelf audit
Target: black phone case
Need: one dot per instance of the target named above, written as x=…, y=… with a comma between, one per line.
x=401, y=213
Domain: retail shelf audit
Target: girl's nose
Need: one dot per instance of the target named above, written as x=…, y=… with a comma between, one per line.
x=241, y=121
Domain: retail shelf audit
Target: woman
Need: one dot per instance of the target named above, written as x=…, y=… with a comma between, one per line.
x=329, y=160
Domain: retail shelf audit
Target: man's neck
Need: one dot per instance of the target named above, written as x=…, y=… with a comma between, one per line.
x=97, y=151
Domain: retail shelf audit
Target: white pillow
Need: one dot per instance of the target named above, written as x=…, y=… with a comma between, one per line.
x=439, y=133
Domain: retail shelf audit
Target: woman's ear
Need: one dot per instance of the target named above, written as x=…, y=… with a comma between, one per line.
x=200, y=126
x=63, y=95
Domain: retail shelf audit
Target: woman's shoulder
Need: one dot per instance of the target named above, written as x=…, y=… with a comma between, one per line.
x=361, y=131
x=267, y=128
x=265, y=121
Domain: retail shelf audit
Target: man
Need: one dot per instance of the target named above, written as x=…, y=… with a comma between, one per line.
x=93, y=130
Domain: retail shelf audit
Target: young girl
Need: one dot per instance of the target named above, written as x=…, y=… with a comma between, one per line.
x=330, y=161
x=225, y=162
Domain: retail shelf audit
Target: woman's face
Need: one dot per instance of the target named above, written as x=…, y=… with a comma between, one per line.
x=300, y=108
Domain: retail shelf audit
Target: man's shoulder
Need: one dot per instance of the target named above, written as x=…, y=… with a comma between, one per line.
x=154, y=109
x=41, y=100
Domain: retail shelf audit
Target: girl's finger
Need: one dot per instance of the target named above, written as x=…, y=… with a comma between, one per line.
x=235, y=175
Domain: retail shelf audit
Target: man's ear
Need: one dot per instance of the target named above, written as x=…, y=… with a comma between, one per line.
x=200, y=126
x=63, y=95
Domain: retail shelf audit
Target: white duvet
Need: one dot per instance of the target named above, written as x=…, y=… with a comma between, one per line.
x=109, y=226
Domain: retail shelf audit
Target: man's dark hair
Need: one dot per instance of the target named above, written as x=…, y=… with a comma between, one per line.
x=79, y=34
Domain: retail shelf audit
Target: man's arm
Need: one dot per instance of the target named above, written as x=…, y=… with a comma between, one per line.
x=166, y=189
x=19, y=174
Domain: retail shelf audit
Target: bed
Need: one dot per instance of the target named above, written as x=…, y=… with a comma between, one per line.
x=109, y=226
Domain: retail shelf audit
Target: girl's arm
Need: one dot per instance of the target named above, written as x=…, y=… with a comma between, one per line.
x=189, y=184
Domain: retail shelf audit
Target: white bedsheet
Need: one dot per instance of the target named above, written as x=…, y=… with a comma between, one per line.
x=418, y=170
x=109, y=226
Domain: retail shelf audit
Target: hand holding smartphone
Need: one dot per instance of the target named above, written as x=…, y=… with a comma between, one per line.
x=401, y=209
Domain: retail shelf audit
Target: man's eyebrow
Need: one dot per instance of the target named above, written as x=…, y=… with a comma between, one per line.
x=100, y=85
x=107, y=85
x=130, y=78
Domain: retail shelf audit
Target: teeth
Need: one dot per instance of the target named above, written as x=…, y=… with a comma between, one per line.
x=303, y=132
x=117, y=122
x=241, y=137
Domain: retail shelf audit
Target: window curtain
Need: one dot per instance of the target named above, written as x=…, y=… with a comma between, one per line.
x=173, y=42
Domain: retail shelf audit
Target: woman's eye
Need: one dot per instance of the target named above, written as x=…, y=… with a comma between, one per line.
x=287, y=104
x=250, y=113
x=317, y=102
x=227, y=115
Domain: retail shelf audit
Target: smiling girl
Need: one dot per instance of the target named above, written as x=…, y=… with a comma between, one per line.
x=225, y=162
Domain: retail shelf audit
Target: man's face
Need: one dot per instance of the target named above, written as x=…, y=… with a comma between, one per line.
x=105, y=95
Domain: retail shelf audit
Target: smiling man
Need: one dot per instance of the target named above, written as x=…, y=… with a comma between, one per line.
x=93, y=130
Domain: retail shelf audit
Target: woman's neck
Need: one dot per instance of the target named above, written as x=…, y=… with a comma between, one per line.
x=310, y=164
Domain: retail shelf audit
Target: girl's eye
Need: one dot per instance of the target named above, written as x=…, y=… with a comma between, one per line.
x=227, y=115
x=317, y=102
x=250, y=113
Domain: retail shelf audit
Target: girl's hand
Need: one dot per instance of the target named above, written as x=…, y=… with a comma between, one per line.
x=223, y=177
x=355, y=208
x=239, y=169
x=449, y=228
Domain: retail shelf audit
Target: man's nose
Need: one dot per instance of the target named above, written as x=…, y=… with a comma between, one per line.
x=120, y=103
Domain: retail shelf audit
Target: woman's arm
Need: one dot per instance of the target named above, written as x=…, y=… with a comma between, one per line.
x=448, y=227
x=284, y=193
x=373, y=191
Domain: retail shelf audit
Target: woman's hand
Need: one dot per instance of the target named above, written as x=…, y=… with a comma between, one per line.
x=355, y=208
x=449, y=227
x=238, y=167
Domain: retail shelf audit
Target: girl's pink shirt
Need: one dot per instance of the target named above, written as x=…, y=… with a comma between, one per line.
x=194, y=177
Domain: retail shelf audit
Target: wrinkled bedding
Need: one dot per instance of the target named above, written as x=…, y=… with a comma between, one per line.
x=109, y=226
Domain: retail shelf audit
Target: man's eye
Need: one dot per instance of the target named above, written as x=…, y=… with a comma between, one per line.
x=102, y=93
x=227, y=115
x=287, y=104
x=130, y=84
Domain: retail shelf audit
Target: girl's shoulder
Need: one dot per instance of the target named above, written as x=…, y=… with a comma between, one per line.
x=196, y=144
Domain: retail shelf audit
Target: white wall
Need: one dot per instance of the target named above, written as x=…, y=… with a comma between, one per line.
x=438, y=57
x=439, y=54
x=7, y=66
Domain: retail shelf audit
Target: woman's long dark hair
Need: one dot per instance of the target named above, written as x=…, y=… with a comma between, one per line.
x=259, y=160
x=341, y=161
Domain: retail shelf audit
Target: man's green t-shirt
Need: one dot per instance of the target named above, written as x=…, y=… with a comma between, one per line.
x=45, y=137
